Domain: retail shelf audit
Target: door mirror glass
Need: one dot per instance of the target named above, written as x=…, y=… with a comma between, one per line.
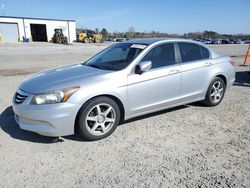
x=143, y=67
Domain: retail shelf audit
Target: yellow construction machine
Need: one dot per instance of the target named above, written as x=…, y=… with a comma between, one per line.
x=1, y=38
x=59, y=37
x=89, y=38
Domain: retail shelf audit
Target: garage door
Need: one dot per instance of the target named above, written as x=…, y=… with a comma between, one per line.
x=9, y=32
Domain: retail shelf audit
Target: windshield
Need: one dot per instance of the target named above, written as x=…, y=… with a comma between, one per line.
x=116, y=57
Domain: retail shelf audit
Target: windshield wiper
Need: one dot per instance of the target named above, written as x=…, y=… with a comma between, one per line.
x=99, y=67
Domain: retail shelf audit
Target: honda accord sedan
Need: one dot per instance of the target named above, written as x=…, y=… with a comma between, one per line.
x=123, y=81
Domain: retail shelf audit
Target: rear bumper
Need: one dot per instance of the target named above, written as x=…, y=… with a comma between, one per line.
x=230, y=83
x=231, y=78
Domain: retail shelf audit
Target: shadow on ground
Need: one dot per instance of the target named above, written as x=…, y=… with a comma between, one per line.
x=158, y=113
x=8, y=125
x=79, y=138
x=242, y=79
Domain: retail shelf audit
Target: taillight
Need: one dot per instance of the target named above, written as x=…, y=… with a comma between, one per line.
x=232, y=62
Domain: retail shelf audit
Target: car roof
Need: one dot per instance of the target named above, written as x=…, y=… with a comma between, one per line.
x=149, y=41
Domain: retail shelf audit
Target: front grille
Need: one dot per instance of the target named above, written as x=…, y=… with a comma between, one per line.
x=19, y=98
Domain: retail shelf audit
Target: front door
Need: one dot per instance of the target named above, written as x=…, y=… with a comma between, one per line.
x=157, y=88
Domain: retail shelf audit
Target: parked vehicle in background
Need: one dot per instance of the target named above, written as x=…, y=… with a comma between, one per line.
x=205, y=41
x=235, y=41
x=208, y=41
x=215, y=41
x=109, y=39
x=246, y=42
x=119, y=40
x=225, y=41
x=125, y=80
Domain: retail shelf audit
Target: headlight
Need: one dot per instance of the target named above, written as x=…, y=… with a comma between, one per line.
x=54, y=96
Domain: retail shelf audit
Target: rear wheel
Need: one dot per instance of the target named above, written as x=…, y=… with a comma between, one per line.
x=98, y=118
x=86, y=40
x=215, y=92
x=97, y=41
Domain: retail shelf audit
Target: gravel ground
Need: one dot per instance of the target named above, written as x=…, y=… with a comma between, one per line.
x=188, y=146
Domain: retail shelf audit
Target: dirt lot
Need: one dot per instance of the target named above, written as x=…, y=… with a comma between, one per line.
x=188, y=146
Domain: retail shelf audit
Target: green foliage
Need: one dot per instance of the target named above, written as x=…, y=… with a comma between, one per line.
x=132, y=33
x=205, y=34
x=105, y=33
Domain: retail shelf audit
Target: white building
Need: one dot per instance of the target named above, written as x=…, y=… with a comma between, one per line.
x=13, y=29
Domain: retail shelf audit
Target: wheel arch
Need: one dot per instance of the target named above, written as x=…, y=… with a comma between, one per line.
x=116, y=99
x=223, y=77
x=207, y=100
x=212, y=77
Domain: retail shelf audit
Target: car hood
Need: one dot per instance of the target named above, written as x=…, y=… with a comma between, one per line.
x=59, y=78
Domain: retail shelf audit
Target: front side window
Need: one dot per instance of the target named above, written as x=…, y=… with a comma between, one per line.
x=116, y=57
x=160, y=56
x=192, y=52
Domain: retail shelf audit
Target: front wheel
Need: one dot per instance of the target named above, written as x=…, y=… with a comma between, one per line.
x=98, y=118
x=215, y=92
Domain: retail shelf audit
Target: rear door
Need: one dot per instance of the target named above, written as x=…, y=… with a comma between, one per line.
x=195, y=65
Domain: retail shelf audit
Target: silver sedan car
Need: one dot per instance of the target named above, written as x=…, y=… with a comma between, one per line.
x=123, y=81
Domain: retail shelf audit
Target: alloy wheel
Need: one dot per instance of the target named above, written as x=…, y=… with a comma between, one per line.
x=217, y=92
x=100, y=119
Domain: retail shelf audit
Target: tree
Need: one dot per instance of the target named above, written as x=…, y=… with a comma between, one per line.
x=96, y=30
x=131, y=29
x=153, y=34
x=105, y=33
x=125, y=36
x=131, y=32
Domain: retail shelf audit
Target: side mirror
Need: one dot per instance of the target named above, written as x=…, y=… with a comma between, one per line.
x=143, y=67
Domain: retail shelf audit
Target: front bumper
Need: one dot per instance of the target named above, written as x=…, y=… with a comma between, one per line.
x=47, y=120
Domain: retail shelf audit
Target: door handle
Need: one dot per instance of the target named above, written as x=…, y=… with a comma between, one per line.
x=175, y=71
x=207, y=64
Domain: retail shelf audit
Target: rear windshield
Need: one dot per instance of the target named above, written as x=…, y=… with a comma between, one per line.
x=116, y=57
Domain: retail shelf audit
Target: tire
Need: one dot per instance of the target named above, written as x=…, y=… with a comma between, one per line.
x=98, y=118
x=86, y=40
x=215, y=92
x=97, y=41
x=65, y=41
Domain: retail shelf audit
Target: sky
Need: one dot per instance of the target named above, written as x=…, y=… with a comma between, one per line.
x=168, y=16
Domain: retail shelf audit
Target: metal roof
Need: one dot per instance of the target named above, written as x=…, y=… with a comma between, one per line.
x=153, y=40
x=30, y=18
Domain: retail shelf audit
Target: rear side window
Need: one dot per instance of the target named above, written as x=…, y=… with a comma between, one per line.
x=162, y=55
x=205, y=52
x=192, y=52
